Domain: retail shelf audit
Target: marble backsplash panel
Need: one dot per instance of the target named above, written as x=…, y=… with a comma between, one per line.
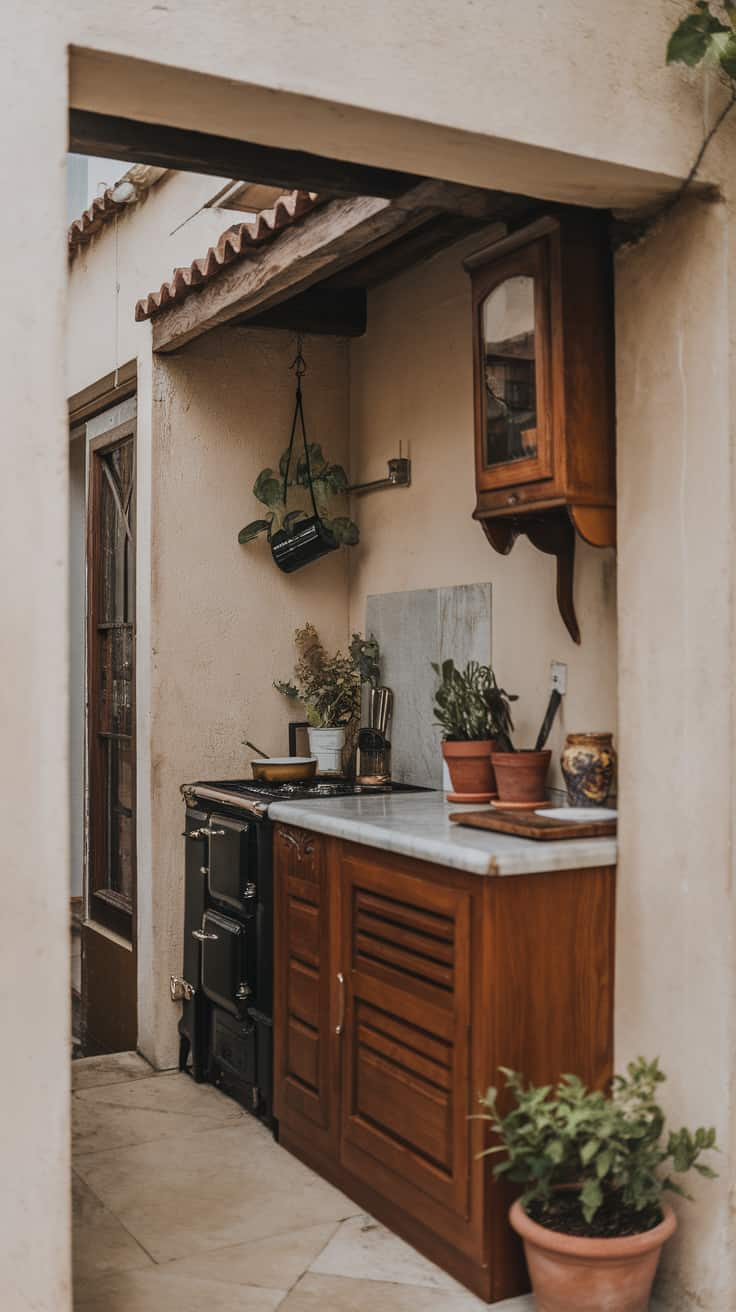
x=414, y=629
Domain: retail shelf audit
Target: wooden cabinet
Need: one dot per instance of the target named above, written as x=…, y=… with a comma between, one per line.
x=305, y=1057
x=544, y=389
x=401, y=988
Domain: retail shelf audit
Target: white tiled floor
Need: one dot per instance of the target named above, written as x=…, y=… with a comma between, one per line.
x=184, y=1202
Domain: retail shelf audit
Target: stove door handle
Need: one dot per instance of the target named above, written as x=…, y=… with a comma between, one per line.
x=341, y=999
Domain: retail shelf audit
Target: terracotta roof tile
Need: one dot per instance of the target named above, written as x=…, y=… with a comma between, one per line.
x=236, y=243
x=100, y=212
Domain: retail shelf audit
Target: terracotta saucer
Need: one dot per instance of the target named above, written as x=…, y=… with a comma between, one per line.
x=517, y=806
x=470, y=799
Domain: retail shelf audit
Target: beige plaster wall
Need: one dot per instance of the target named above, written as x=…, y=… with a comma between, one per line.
x=222, y=615
x=34, y=787
x=503, y=83
x=675, y=971
x=136, y=254
x=412, y=381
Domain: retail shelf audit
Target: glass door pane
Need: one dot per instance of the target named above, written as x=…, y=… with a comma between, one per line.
x=111, y=681
x=509, y=365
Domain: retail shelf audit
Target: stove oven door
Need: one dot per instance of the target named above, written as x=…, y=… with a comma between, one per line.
x=225, y=976
x=230, y=879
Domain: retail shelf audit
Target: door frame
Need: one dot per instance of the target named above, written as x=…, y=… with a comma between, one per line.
x=106, y=908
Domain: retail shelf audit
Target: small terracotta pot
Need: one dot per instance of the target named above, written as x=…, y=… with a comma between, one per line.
x=571, y=1274
x=521, y=776
x=470, y=769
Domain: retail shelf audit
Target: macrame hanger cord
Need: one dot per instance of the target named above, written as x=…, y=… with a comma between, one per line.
x=299, y=365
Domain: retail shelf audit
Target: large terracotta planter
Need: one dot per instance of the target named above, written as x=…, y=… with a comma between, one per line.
x=521, y=777
x=570, y=1274
x=471, y=772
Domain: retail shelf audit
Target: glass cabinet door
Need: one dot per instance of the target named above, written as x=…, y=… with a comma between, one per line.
x=511, y=298
x=509, y=392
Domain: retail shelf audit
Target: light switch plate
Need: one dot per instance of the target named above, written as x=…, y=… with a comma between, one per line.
x=558, y=677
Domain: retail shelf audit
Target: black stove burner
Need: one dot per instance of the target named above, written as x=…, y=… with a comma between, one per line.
x=317, y=787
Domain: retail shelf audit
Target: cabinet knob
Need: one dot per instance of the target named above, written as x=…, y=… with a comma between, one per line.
x=513, y=498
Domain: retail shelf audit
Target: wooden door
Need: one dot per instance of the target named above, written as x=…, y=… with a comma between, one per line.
x=109, y=958
x=406, y=955
x=305, y=1076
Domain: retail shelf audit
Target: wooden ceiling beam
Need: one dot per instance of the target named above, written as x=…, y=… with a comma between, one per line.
x=327, y=240
x=329, y=311
x=226, y=157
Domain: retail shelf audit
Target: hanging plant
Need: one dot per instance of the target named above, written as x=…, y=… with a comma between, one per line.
x=328, y=482
x=315, y=481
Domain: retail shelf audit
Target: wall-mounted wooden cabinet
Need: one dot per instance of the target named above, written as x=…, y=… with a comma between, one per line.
x=400, y=989
x=544, y=393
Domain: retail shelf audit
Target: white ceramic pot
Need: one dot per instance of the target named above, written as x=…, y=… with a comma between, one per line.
x=328, y=746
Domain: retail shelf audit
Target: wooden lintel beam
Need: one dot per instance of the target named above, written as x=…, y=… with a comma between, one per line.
x=201, y=152
x=328, y=311
x=327, y=240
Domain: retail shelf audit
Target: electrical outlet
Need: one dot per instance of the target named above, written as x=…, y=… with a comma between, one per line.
x=558, y=677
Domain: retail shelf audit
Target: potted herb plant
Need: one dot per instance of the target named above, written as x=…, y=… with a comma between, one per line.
x=595, y=1167
x=474, y=715
x=329, y=688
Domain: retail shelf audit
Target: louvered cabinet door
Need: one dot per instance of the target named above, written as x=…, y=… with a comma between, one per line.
x=405, y=946
x=304, y=1057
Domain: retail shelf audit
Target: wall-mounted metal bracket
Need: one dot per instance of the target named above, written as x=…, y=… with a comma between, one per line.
x=399, y=475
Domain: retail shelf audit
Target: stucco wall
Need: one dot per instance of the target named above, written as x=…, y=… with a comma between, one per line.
x=222, y=615
x=412, y=381
x=138, y=257
x=675, y=934
x=34, y=785
x=550, y=89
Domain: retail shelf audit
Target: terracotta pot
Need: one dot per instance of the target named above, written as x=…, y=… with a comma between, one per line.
x=470, y=769
x=521, y=776
x=588, y=763
x=570, y=1274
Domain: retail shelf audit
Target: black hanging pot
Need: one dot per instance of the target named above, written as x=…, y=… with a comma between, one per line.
x=301, y=540
x=307, y=541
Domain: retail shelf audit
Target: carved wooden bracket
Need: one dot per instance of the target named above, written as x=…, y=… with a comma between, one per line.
x=552, y=533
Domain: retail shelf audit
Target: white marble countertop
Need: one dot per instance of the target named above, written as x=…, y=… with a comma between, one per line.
x=417, y=824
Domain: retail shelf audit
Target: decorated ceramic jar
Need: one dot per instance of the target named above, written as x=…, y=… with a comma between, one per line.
x=589, y=764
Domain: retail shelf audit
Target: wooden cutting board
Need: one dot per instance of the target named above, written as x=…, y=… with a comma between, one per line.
x=529, y=825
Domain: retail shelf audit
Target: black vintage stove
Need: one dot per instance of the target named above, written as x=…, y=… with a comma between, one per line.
x=226, y=986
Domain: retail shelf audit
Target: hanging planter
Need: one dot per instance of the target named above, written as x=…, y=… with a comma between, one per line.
x=296, y=537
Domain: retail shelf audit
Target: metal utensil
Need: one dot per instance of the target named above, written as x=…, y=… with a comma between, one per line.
x=384, y=710
x=256, y=749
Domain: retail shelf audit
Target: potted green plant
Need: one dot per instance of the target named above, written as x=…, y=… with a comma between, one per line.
x=328, y=482
x=329, y=688
x=594, y=1167
x=474, y=715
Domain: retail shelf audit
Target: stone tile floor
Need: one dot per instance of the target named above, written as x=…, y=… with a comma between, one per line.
x=182, y=1201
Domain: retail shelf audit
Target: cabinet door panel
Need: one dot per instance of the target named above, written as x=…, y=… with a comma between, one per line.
x=406, y=954
x=304, y=1059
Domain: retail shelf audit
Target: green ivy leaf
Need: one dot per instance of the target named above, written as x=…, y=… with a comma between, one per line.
x=727, y=55
x=317, y=463
x=268, y=489
x=346, y=532
x=691, y=40
x=254, y=530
